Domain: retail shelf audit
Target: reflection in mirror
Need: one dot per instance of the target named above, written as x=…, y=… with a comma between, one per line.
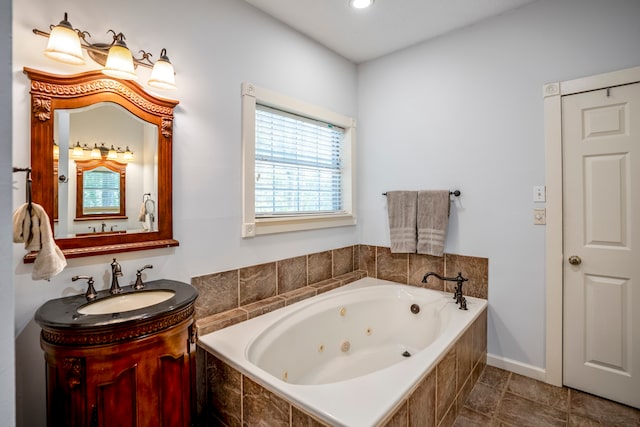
x=88, y=124
x=110, y=157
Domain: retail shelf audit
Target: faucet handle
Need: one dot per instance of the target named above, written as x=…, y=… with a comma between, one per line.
x=139, y=285
x=91, y=293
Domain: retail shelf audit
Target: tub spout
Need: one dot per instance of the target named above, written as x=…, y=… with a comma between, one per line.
x=457, y=295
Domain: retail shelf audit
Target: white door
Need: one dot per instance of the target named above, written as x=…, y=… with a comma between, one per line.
x=601, y=216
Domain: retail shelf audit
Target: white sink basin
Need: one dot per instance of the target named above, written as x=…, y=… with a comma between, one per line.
x=126, y=302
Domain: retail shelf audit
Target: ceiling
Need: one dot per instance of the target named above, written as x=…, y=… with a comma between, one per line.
x=387, y=26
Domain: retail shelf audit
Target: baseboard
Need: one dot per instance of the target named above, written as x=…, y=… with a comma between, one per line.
x=518, y=367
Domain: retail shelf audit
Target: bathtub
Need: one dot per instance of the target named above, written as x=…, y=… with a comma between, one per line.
x=348, y=356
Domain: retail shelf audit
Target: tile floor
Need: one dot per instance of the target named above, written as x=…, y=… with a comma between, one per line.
x=505, y=399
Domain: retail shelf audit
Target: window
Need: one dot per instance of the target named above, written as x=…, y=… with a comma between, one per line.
x=100, y=189
x=297, y=165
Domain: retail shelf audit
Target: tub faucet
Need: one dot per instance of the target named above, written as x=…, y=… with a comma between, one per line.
x=116, y=271
x=457, y=295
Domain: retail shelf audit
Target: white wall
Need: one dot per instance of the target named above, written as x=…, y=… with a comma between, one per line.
x=7, y=358
x=465, y=111
x=214, y=45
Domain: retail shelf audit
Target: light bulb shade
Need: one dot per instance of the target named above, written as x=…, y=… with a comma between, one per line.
x=128, y=155
x=56, y=151
x=163, y=75
x=120, y=62
x=77, y=152
x=360, y=4
x=113, y=154
x=96, y=153
x=64, y=44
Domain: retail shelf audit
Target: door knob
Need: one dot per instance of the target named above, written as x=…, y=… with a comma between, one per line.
x=575, y=260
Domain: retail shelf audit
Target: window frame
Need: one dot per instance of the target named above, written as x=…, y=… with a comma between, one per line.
x=252, y=226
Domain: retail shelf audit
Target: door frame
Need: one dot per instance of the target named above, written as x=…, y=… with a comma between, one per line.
x=554, y=257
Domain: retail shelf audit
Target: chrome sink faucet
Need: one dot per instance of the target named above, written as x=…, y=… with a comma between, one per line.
x=457, y=295
x=116, y=271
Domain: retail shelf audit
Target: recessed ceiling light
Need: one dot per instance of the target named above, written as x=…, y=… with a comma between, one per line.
x=360, y=4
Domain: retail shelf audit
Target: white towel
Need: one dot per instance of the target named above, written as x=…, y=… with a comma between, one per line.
x=401, y=206
x=34, y=230
x=432, y=222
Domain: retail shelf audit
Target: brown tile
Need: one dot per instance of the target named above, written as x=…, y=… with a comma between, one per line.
x=465, y=357
x=299, y=295
x=419, y=265
x=450, y=417
x=319, y=267
x=257, y=282
x=399, y=417
x=394, y=267
x=301, y=419
x=445, y=384
x=422, y=403
x=522, y=412
x=602, y=410
x=325, y=285
x=342, y=261
x=224, y=396
x=367, y=259
x=579, y=421
x=216, y=292
x=221, y=320
x=259, y=405
x=263, y=306
x=495, y=377
x=480, y=337
x=473, y=268
x=469, y=418
x=349, y=277
x=484, y=399
x=292, y=274
x=538, y=391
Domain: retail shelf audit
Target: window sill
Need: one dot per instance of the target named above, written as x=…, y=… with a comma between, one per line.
x=281, y=225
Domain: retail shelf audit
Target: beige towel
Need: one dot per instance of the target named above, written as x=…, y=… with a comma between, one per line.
x=401, y=206
x=34, y=230
x=433, y=218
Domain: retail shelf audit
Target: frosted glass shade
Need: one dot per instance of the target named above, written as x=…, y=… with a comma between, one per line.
x=128, y=155
x=163, y=75
x=77, y=152
x=64, y=45
x=120, y=63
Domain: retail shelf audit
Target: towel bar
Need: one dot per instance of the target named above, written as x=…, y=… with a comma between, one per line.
x=455, y=193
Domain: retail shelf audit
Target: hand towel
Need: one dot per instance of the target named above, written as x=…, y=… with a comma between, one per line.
x=142, y=213
x=433, y=218
x=32, y=228
x=401, y=206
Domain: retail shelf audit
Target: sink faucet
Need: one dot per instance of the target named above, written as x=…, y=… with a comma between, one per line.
x=116, y=271
x=104, y=227
x=460, y=299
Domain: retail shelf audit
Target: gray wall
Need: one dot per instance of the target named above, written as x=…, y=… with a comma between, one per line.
x=465, y=111
x=7, y=368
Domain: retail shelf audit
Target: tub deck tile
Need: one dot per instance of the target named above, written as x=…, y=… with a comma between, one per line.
x=219, y=321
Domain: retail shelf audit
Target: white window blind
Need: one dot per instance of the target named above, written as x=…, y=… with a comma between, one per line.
x=298, y=165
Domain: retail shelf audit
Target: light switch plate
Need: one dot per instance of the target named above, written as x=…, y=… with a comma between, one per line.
x=539, y=193
x=539, y=216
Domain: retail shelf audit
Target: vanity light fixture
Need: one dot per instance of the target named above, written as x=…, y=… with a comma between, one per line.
x=66, y=44
x=360, y=4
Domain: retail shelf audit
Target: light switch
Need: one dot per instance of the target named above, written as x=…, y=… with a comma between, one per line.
x=539, y=193
x=540, y=216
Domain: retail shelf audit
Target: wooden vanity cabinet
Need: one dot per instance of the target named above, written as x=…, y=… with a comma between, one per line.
x=145, y=381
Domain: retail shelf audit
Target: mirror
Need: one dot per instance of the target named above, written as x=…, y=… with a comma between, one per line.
x=101, y=163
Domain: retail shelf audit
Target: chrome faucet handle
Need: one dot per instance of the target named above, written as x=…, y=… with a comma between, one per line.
x=91, y=293
x=139, y=285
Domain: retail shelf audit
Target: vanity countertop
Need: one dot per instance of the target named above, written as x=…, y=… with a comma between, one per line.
x=62, y=314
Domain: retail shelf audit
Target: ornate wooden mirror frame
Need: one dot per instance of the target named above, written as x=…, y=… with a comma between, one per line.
x=50, y=92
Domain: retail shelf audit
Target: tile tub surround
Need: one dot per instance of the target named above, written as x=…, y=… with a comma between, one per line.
x=233, y=296
x=233, y=399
